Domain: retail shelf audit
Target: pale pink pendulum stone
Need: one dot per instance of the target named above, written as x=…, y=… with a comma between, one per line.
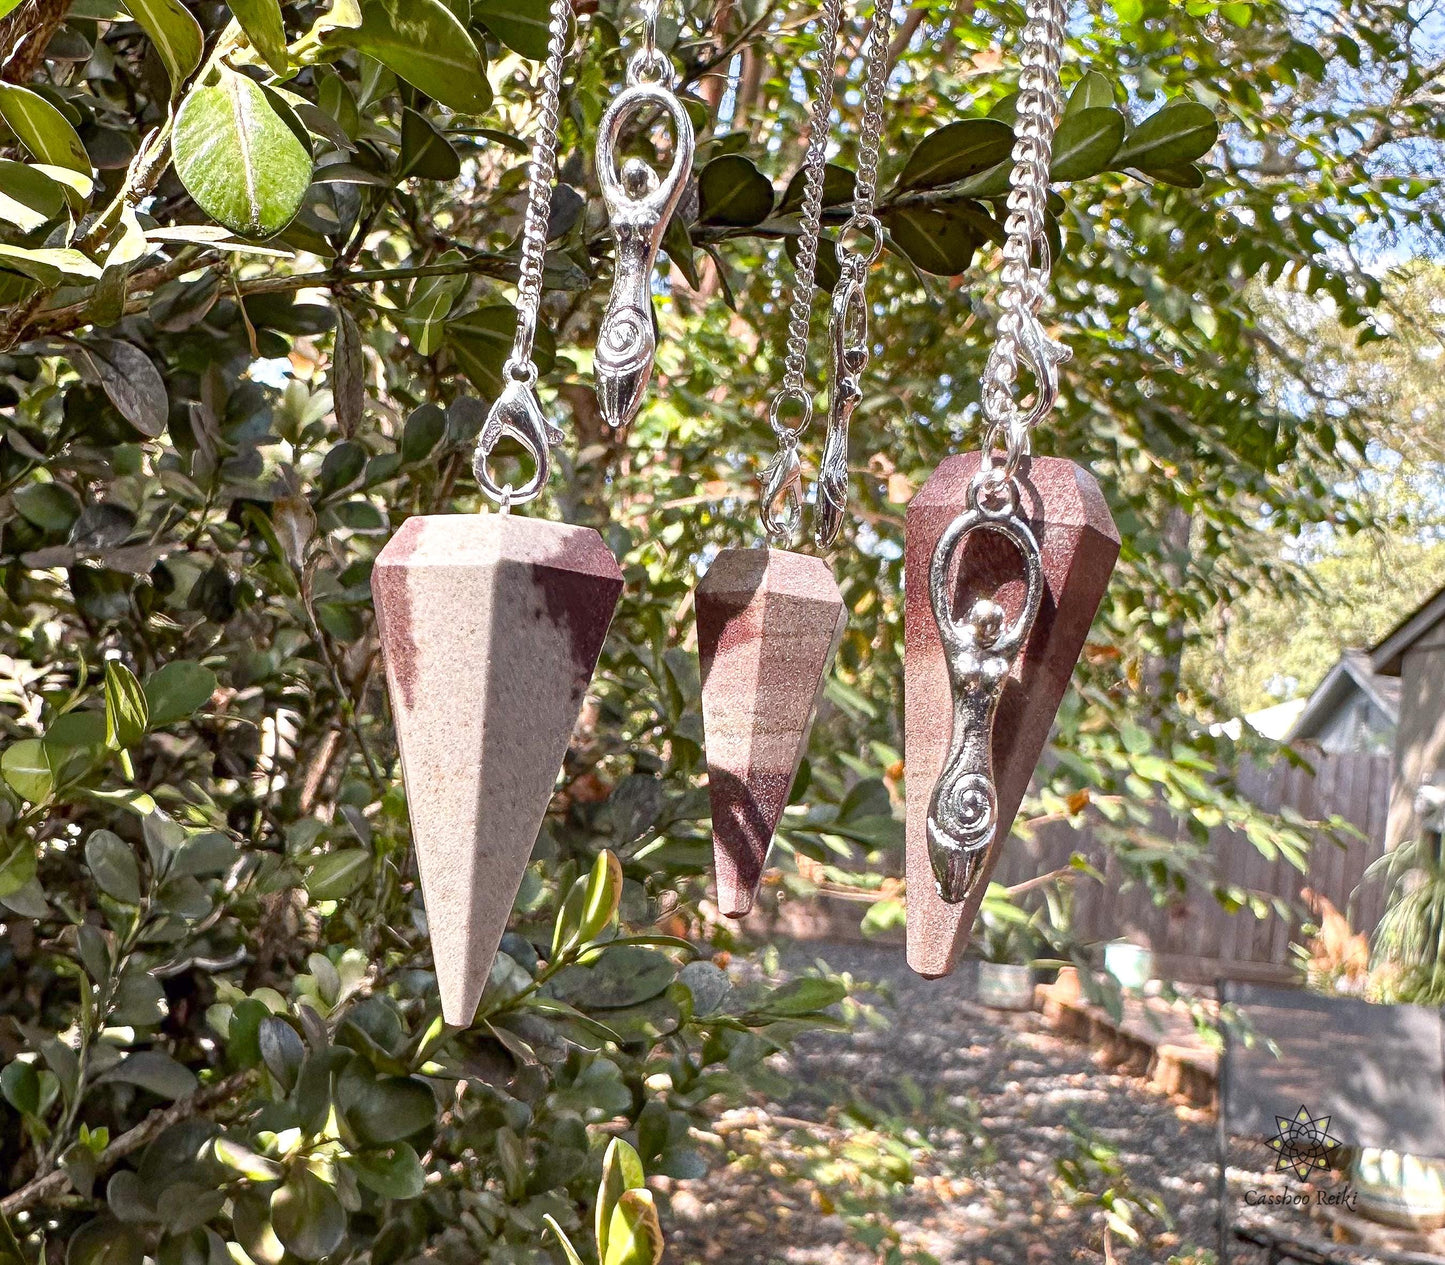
x=768, y=624
x=490, y=626
x=1079, y=544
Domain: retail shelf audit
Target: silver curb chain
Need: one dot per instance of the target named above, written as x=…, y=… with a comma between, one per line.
x=1027, y=259
x=783, y=479
x=848, y=319
x=517, y=411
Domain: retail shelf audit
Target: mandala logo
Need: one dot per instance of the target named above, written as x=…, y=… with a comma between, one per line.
x=1303, y=1144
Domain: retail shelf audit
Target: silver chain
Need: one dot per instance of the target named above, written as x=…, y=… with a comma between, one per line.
x=542, y=174
x=782, y=480
x=516, y=412
x=1027, y=259
x=870, y=139
x=795, y=366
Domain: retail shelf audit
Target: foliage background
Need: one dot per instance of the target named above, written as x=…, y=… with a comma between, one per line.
x=219, y=1026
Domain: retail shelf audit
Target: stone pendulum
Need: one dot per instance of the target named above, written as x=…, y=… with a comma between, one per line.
x=491, y=626
x=769, y=620
x=960, y=671
x=768, y=624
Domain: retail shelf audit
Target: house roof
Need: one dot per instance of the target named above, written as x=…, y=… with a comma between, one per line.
x=1353, y=673
x=1386, y=656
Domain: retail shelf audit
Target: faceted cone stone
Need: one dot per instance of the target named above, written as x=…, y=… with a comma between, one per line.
x=491, y=626
x=1079, y=544
x=768, y=623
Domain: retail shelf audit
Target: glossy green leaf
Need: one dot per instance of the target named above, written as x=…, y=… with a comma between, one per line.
x=126, y=711
x=621, y=1172
x=1174, y=137
x=174, y=691
x=394, y=1174
x=104, y=1241
x=431, y=302
x=604, y=892
x=563, y=1241
x=425, y=43
x=28, y=197
x=954, y=151
x=176, y=35
x=385, y=1109
x=238, y=158
x=27, y=771
x=635, y=1235
x=937, y=240
x=245, y=1161
x=261, y=20
x=49, y=265
x=153, y=1070
x=20, y=1084
x=520, y=24
x=482, y=340
x=1086, y=143
x=425, y=152
x=132, y=381
x=805, y=996
x=50, y=506
x=337, y=874
x=113, y=865
x=731, y=191
x=42, y=129
x=17, y=869
x=307, y=1216
x=1092, y=92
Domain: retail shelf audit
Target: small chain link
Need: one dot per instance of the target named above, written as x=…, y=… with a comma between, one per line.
x=795, y=366
x=1027, y=260
x=542, y=174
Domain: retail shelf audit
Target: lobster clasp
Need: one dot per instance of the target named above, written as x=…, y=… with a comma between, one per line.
x=848, y=340
x=517, y=414
x=782, y=489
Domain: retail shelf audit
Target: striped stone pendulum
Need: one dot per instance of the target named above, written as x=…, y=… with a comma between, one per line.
x=491, y=626
x=768, y=619
x=1007, y=558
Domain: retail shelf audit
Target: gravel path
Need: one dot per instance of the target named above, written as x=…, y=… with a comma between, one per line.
x=935, y=1133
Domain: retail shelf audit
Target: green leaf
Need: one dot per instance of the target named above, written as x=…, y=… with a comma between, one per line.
x=1086, y=142
x=425, y=43
x=26, y=770
x=113, y=865
x=422, y=433
x=20, y=1083
x=176, y=35
x=28, y=197
x=1174, y=137
x=337, y=873
x=132, y=381
x=261, y=20
x=105, y=1241
x=936, y=239
x=50, y=506
x=604, y=892
x=1092, y=92
x=621, y=1172
x=42, y=129
x=385, y=1109
x=154, y=1070
x=348, y=377
x=635, y=1234
x=49, y=265
x=282, y=1050
x=481, y=341
x=804, y=996
x=245, y=1161
x=838, y=185
x=520, y=24
x=731, y=191
x=955, y=151
x=126, y=712
x=621, y=977
x=174, y=691
x=238, y=158
x=307, y=1216
x=566, y=1243
x=393, y=1174
x=425, y=152
x=17, y=870
x=431, y=303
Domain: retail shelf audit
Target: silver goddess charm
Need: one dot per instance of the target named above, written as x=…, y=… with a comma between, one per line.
x=639, y=206
x=980, y=650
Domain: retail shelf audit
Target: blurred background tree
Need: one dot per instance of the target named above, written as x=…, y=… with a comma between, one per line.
x=255, y=267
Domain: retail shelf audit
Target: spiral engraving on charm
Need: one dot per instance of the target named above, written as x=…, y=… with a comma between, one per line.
x=980, y=650
x=626, y=341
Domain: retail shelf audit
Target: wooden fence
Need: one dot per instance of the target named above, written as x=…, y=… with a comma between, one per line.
x=1195, y=939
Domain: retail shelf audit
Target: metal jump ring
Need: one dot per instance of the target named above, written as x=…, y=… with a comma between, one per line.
x=790, y=434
